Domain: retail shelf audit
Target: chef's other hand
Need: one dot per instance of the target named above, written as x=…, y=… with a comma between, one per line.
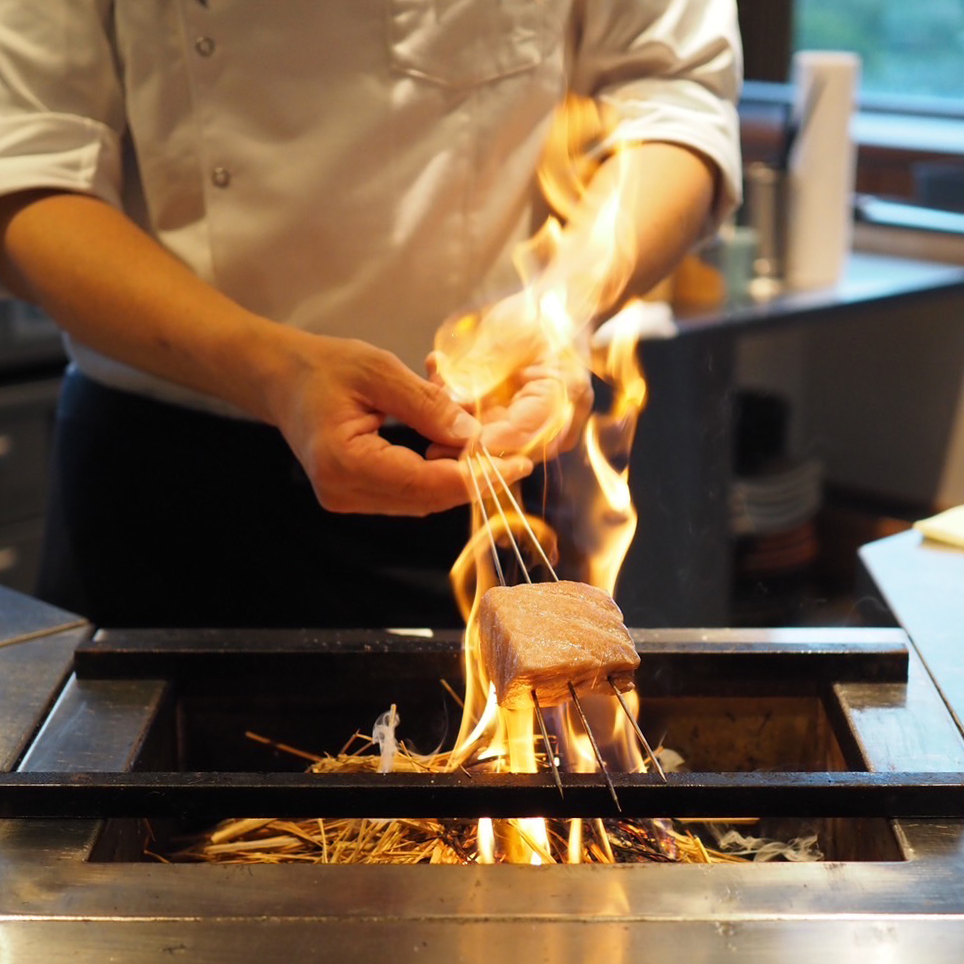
x=330, y=411
x=532, y=396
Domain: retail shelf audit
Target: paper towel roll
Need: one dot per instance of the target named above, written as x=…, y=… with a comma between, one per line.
x=822, y=168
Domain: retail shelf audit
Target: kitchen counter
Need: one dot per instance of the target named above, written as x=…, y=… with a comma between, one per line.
x=871, y=281
x=921, y=582
x=678, y=570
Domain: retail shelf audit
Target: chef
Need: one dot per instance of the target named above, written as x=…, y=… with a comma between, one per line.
x=250, y=218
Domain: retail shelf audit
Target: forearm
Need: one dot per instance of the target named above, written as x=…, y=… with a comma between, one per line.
x=663, y=194
x=643, y=210
x=115, y=289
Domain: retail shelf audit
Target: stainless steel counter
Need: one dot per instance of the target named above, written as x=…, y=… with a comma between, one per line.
x=63, y=896
x=678, y=569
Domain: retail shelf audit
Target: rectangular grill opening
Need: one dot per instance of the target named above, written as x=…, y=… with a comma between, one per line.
x=727, y=723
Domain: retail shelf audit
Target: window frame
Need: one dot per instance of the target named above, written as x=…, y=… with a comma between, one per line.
x=893, y=132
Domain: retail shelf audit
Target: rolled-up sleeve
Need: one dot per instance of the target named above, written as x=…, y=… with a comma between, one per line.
x=61, y=103
x=670, y=70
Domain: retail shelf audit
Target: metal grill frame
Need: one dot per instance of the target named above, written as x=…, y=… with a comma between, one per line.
x=58, y=903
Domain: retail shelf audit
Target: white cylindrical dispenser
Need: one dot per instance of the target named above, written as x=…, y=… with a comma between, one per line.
x=822, y=168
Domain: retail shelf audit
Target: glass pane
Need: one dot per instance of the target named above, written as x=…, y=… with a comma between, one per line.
x=914, y=49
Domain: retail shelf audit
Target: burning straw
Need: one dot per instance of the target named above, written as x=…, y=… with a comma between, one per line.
x=361, y=840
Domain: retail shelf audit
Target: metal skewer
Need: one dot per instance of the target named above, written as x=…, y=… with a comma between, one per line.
x=498, y=567
x=595, y=747
x=505, y=521
x=636, y=728
x=488, y=526
x=518, y=509
x=545, y=739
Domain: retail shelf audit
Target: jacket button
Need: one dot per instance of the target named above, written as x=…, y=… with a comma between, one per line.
x=204, y=46
x=220, y=177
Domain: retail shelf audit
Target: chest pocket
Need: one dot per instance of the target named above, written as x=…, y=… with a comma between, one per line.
x=463, y=43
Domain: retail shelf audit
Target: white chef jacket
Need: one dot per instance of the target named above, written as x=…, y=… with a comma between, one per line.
x=359, y=168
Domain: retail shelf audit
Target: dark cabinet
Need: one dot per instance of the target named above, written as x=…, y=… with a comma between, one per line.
x=31, y=360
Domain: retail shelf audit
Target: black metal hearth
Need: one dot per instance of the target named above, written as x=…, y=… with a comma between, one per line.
x=849, y=731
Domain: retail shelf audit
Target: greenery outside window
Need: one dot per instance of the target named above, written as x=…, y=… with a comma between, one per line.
x=912, y=53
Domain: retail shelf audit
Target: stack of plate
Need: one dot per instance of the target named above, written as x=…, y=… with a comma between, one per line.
x=772, y=516
x=776, y=501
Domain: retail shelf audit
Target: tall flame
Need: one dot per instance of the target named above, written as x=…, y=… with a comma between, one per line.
x=571, y=276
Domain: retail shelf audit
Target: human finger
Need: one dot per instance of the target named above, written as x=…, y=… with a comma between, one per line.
x=431, y=368
x=534, y=421
x=575, y=383
x=581, y=396
x=393, y=480
x=436, y=451
x=396, y=390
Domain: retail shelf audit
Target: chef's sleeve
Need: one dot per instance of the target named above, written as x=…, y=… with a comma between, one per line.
x=61, y=102
x=669, y=70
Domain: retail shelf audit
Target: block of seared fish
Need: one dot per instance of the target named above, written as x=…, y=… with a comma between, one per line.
x=542, y=636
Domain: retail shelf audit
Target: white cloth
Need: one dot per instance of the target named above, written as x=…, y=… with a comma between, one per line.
x=354, y=167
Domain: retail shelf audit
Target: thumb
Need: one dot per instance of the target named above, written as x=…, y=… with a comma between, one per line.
x=424, y=406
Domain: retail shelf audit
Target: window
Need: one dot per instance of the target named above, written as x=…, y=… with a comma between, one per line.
x=909, y=50
x=910, y=126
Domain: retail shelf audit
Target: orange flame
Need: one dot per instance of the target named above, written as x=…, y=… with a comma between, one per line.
x=611, y=522
x=570, y=277
x=486, y=841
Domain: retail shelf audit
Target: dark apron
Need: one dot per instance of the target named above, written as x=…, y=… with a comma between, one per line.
x=163, y=516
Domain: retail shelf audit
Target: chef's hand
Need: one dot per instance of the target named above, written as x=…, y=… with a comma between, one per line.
x=532, y=396
x=331, y=408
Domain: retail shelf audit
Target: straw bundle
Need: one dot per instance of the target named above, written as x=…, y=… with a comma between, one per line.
x=268, y=840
